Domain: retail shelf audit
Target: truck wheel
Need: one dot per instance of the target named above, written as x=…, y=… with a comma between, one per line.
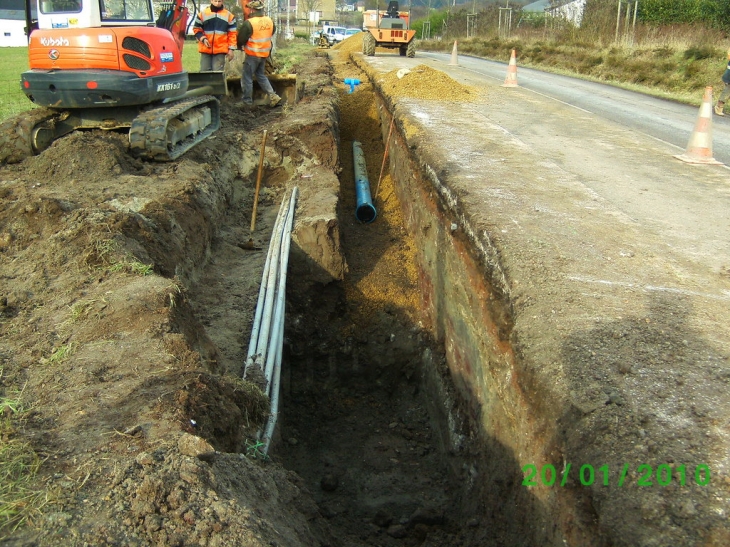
x=403, y=50
x=411, y=51
x=368, y=44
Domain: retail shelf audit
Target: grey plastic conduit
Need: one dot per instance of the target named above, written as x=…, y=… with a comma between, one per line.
x=262, y=289
x=273, y=364
x=264, y=292
x=281, y=288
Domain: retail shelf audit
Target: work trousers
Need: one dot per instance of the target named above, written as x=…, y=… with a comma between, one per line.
x=215, y=63
x=254, y=67
x=724, y=94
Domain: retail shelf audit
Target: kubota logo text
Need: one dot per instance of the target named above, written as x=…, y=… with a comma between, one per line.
x=168, y=87
x=54, y=41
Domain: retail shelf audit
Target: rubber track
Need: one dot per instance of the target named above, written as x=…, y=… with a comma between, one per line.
x=148, y=134
x=16, y=134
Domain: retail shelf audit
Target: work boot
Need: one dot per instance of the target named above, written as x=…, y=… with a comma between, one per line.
x=274, y=100
x=719, y=109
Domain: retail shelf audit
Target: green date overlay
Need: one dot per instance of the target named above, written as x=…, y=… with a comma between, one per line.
x=645, y=475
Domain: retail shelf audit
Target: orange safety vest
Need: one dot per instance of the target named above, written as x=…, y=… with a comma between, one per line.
x=259, y=45
x=218, y=27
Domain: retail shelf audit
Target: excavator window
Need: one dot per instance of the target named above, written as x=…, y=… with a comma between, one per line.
x=125, y=10
x=61, y=6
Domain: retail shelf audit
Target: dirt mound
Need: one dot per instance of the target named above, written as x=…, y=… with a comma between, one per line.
x=423, y=82
x=353, y=44
x=104, y=360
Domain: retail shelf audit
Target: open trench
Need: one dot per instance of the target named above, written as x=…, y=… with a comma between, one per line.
x=369, y=417
x=360, y=419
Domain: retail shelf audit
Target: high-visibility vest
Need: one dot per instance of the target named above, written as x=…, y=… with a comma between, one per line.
x=218, y=27
x=259, y=45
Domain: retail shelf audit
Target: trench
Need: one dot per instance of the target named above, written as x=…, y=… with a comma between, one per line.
x=361, y=420
x=370, y=417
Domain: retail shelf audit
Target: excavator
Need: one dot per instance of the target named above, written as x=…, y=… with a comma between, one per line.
x=111, y=64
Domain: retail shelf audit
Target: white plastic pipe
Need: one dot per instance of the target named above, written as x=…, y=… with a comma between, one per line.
x=273, y=365
x=281, y=286
x=266, y=292
x=270, y=254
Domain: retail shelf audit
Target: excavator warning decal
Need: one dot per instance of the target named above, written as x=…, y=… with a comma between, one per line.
x=167, y=57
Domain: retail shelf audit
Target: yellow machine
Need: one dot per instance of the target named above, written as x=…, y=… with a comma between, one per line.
x=389, y=29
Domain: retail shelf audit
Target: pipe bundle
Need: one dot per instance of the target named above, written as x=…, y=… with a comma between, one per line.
x=267, y=332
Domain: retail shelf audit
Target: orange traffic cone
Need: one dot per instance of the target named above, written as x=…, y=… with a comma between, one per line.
x=699, y=148
x=511, y=79
x=454, y=59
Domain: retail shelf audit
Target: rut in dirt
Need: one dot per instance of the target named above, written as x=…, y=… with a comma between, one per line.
x=354, y=418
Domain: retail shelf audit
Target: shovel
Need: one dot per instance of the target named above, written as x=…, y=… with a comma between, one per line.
x=250, y=245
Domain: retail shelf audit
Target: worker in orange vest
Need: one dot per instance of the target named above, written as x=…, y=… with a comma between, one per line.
x=255, y=39
x=215, y=31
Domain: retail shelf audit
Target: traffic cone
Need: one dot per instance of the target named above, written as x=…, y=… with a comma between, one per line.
x=454, y=58
x=699, y=148
x=511, y=79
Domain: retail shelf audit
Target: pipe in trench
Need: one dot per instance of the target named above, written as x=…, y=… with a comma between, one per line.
x=266, y=294
x=365, y=210
x=278, y=337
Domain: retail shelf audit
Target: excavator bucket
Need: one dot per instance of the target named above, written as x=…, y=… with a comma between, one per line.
x=208, y=83
x=286, y=86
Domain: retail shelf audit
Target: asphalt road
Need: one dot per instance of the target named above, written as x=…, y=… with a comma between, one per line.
x=618, y=145
x=666, y=120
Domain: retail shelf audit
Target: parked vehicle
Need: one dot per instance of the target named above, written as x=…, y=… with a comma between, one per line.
x=334, y=35
x=390, y=29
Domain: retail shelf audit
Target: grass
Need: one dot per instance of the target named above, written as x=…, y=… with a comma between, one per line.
x=671, y=63
x=107, y=254
x=13, y=61
x=19, y=464
x=61, y=354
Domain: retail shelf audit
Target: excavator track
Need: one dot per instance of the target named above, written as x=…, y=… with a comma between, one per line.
x=166, y=132
x=16, y=134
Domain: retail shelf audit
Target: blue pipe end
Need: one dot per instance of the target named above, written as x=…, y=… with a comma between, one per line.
x=366, y=213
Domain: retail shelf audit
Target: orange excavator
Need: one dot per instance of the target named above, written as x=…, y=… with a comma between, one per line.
x=111, y=64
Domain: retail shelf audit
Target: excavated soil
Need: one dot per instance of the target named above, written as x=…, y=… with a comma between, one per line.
x=127, y=294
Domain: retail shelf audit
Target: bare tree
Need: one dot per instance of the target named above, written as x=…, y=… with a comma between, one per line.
x=309, y=6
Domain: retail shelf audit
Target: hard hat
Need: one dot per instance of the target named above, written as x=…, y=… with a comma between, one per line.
x=256, y=5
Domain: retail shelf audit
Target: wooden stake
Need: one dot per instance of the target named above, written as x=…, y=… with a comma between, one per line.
x=258, y=183
x=385, y=156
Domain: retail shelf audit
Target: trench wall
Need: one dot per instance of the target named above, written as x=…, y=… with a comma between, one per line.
x=467, y=307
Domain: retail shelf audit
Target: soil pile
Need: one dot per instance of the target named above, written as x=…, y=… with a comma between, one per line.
x=423, y=82
x=110, y=376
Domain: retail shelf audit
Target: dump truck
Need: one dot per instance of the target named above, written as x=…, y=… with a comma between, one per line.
x=389, y=29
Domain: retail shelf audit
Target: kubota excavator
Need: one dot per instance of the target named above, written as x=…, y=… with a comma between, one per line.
x=111, y=64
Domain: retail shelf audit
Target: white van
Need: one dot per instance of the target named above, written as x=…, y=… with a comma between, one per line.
x=334, y=35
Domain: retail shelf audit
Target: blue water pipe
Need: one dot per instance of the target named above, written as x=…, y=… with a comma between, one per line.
x=365, y=210
x=352, y=82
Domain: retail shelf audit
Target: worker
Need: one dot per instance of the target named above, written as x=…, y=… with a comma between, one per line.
x=215, y=31
x=719, y=107
x=255, y=38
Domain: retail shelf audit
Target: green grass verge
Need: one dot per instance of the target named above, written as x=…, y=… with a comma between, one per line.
x=13, y=61
x=19, y=465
